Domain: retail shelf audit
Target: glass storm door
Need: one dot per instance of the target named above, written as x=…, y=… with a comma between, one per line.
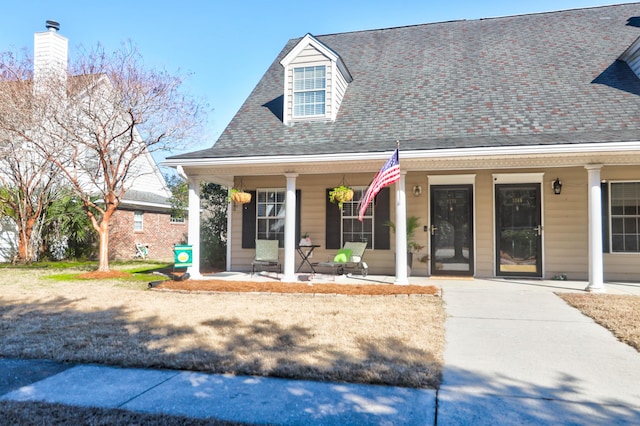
x=518, y=230
x=452, y=230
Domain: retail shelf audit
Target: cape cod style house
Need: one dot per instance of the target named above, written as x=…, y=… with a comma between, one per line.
x=144, y=213
x=519, y=148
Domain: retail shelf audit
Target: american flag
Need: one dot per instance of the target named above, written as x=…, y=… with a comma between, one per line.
x=388, y=174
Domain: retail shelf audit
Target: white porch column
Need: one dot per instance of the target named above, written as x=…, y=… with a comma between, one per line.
x=596, y=260
x=194, y=226
x=401, y=232
x=290, y=229
x=229, y=227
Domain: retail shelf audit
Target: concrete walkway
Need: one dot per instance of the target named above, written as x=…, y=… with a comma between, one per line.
x=515, y=354
x=518, y=354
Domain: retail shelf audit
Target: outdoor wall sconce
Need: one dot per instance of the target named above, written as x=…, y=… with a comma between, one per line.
x=417, y=190
x=557, y=186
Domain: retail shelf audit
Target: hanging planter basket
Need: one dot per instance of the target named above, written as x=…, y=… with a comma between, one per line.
x=238, y=196
x=340, y=194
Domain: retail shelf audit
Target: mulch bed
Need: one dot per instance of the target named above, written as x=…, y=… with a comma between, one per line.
x=228, y=286
x=278, y=287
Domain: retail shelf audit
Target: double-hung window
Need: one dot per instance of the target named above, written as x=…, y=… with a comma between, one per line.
x=352, y=228
x=271, y=215
x=309, y=91
x=625, y=217
x=138, y=217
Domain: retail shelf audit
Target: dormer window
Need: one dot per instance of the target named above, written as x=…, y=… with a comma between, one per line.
x=315, y=82
x=309, y=91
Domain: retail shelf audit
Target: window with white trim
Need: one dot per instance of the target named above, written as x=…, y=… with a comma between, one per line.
x=270, y=215
x=352, y=228
x=625, y=217
x=309, y=91
x=138, y=218
x=177, y=219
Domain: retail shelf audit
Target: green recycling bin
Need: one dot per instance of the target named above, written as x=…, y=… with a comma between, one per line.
x=183, y=256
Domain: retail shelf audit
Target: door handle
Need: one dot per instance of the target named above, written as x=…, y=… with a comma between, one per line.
x=433, y=230
x=538, y=230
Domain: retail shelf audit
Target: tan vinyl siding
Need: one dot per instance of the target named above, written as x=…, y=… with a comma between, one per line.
x=313, y=192
x=339, y=88
x=565, y=220
x=484, y=225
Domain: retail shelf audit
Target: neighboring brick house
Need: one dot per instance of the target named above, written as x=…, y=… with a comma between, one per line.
x=519, y=147
x=145, y=219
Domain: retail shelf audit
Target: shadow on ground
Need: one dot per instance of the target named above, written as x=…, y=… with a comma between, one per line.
x=55, y=330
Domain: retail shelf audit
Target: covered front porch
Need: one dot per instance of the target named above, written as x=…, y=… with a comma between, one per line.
x=568, y=231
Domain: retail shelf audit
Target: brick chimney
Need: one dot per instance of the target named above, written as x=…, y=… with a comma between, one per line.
x=50, y=52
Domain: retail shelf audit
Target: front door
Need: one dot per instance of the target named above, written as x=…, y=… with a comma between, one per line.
x=518, y=230
x=452, y=230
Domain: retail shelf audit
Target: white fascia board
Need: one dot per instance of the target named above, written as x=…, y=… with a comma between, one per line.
x=506, y=151
x=144, y=204
x=302, y=44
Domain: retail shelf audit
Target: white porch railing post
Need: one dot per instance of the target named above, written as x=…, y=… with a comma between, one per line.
x=290, y=229
x=596, y=259
x=194, y=226
x=401, y=232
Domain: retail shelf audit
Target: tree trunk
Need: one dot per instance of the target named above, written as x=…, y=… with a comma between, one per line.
x=103, y=255
x=23, y=245
x=24, y=241
x=103, y=234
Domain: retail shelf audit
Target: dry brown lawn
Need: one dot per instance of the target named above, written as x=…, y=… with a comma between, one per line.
x=39, y=413
x=618, y=313
x=380, y=339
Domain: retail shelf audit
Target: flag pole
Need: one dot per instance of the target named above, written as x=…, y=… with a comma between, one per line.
x=401, y=228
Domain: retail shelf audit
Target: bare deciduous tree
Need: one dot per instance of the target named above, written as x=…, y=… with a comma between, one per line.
x=27, y=179
x=113, y=115
x=98, y=125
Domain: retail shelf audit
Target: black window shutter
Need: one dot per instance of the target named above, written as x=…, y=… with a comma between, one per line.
x=249, y=222
x=604, y=189
x=382, y=215
x=332, y=224
x=298, y=212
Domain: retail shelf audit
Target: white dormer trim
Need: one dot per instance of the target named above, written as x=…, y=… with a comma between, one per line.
x=632, y=57
x=309, y=52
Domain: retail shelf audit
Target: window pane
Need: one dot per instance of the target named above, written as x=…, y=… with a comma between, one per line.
x=352, y=228
x=630, y=225
x=270, y=211
x=617, y=243
x=631, y=243
x=309, y=94
x=625, y=217
x=617, y=226
x=137, y=220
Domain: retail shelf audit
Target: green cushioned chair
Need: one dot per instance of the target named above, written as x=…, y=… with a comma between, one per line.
x=348, y=259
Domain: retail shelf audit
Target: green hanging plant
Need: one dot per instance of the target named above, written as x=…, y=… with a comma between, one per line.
x=340, y=195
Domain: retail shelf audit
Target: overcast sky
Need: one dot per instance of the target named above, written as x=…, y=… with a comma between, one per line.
x=228, y=45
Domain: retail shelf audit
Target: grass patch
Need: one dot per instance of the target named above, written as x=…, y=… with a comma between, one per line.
x=40, y=413
x=127, y=271
x=392, y=339
x=618, y=313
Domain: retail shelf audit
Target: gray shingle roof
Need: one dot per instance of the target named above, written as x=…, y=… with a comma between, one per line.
x=133, y=196
x=533, y=79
